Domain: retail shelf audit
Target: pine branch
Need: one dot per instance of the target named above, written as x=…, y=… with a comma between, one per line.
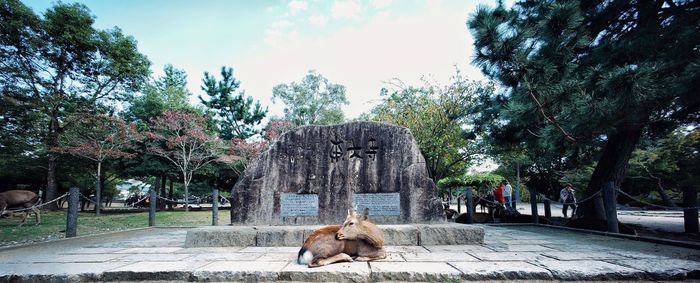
x=550, y=119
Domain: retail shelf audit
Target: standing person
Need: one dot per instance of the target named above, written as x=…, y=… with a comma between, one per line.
x=567, y=197
x=498, y=193
x=507, y=193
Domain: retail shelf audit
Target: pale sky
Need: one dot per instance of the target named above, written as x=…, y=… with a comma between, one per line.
x=359, y=44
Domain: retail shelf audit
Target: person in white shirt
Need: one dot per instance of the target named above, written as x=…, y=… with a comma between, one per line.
x=507, y=193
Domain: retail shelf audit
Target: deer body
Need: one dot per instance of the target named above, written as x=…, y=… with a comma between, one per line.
x=20, y=199
x=357, y=239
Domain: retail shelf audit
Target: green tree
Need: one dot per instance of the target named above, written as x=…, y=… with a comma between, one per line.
x=99, y=139
x=585, y=79
x=437, y=116
x=313, y=101
x=181, y=138
x=61, y=65
x=166, y=93
x=235, y=113
x=665, y=165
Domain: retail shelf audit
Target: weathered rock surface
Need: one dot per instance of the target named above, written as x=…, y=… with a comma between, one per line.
x=332, y=166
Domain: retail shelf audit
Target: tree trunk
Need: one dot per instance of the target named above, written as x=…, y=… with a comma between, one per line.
x=170, y=196
x=163, y=191
x=611, y=167
x=51, y=186
x=98, y=189
x=187, y=196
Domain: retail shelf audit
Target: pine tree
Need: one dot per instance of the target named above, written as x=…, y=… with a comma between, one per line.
x=588, y=75
x=236, y=114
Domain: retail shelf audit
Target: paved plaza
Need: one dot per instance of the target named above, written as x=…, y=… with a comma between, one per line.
x=523, y=252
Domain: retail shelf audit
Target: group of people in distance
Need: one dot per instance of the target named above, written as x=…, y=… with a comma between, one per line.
x=503, y=194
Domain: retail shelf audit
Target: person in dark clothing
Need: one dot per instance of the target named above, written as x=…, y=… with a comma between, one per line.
x=567, y=198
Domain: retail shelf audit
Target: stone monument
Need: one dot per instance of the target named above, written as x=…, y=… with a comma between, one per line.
x=313, y=174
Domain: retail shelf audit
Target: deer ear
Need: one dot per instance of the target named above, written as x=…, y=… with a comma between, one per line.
x=365, y=213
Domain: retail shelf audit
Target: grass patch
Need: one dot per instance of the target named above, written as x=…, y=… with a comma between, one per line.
x=53, y=224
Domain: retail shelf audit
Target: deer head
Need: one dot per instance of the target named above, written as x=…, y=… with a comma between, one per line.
x=358, y=227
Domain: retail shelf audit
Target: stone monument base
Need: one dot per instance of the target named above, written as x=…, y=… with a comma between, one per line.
x=289, y=236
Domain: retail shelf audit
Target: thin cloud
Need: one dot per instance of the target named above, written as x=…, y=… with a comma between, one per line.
x=345, y=9
x=297, y=6
x=318, y=20
x=381, y=4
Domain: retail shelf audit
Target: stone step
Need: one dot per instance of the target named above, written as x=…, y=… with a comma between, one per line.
x=279, y=236
x=253, y=271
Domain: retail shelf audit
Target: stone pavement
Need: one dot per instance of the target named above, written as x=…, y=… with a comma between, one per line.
x=508, y=253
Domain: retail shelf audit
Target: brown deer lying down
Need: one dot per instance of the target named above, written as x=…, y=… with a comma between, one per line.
x=357, y=239
x=20, y=199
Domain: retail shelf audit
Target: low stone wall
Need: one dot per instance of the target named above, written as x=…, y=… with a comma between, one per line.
x=289, y=236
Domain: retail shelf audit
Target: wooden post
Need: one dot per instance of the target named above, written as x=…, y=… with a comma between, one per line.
x=72, y=215
x=215, y=207
x=610, y=203
x=533, y=205
x=470, y=205
x=547, y=209
x=459, y=205
x=152, y=207
x=516, y=195
x=690, y=215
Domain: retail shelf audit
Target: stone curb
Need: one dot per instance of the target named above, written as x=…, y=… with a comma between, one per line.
x=367, y=272
x=276, y=236
x=682, y=244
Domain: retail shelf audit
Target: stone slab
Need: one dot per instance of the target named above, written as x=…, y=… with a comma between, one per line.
x=450, y=234
x=521, y=248
x=153, y=271
x=582, y=255
x=93, y=250
x=405, y=249
x=226, y=257
x=279, y=236
x=88, y=258
x=148, y=250
x=338, y=272
x=502, y=270
x=293, y=249
x=221, y=236
x=400, y=235
x=393, y=257
x=250, y=271
x=588, y=270
x=458, y=248
x=286, y=257
x=414, y=271
x=207, y=250
x=271, y=236
x=55, y=272
x=663, y=269
x=507, y=256
x=152, y=257
x=439, y=257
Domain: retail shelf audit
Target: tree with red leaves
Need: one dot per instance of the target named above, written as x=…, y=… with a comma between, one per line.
x=181, y=138
x=98, y=138
x=242, y=152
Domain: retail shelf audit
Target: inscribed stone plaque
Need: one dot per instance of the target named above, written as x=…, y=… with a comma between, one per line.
x=378, y=203
x=299, y=205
